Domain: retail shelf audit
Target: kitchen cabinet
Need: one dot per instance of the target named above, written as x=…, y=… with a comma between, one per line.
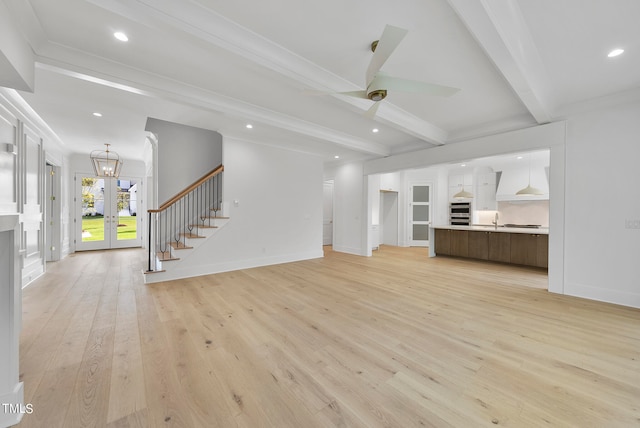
x=460, y=243
x=458, y=182
x=443, y=241
x=485, y=192
x=500, y=247
x=530, y=250
x=542, y=251
x=452, y=242
x=479, y=245
x=390, y=182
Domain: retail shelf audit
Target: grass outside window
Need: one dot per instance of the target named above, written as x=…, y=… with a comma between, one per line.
x=93, y=228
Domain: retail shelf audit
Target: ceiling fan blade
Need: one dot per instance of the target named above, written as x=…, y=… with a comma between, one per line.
x=390, y=83
x=356, y=94
x=389, y=41
x=372, y=110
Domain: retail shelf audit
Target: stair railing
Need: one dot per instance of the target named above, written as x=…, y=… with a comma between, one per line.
x=183, y=216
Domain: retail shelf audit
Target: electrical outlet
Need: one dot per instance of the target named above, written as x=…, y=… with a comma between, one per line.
x=632, y=224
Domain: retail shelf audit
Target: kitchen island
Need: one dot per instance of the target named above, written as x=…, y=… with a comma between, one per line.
x=515, y=245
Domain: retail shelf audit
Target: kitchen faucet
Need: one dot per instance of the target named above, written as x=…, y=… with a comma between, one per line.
x=495, y=222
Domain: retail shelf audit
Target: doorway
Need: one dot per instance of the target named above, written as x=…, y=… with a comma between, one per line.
x=107, y=213
x=419, y=214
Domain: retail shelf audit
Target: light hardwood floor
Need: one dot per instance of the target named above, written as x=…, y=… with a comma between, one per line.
x=395, y=340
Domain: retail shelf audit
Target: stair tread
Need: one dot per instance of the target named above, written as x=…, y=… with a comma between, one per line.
x=166, y=257
x=204, y=226
x=180, y=246
x=153, y=271
x=191, y=235
x=220, y=217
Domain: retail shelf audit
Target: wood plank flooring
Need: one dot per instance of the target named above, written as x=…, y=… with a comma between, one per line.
x=395, y=340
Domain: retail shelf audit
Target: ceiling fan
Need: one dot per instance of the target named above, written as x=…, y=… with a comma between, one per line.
x=379, y=83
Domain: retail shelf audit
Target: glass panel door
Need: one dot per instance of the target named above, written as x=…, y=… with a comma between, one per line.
x=126, y=213
x=107, y=213
x=419, y=215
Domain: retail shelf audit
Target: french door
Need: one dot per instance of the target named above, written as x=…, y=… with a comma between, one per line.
x=419, y=214
x=107, y=215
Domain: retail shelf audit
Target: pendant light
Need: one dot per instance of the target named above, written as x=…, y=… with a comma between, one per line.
x=106, y=163
x=463, y=194
x=529, y=191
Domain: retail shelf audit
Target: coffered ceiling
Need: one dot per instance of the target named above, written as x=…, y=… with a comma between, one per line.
x=220, y=65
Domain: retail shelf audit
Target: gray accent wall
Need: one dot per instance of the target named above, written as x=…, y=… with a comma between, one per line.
x=185, y=153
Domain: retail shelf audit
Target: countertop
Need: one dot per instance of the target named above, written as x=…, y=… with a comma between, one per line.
x=491, y=228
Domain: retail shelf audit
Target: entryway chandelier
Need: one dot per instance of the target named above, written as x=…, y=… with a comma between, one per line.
x=106, y=163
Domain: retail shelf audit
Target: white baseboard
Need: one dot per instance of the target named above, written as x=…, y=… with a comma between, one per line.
x=349, y=250
x=602, y=294
x=191, y=271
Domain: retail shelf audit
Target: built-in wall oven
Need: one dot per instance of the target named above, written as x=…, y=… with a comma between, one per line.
x=460, y=213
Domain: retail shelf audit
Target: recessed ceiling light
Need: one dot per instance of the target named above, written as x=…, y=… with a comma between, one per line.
x=336, y=157
x=121, y=36
x=518, y=157
x=249, y=126
x=463, y=165
x=96, y=114
x=615, y=52
x=374, y=130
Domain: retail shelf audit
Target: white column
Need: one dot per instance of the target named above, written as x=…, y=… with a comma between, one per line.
x=11, y=389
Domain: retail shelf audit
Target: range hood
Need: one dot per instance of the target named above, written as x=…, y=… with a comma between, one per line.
x=513, y=180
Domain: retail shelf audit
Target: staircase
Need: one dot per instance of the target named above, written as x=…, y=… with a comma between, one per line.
x=182, y=224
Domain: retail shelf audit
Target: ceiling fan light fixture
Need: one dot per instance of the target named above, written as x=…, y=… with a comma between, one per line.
x=377, y=95
x=106, y=163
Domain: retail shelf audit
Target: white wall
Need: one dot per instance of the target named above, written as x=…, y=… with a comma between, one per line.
x=23, y=229
x=602, y=202
x=350, y=210
x=277, y=217
x=185, y=154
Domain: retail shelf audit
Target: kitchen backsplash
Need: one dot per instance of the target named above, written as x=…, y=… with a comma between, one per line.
x=525, y=212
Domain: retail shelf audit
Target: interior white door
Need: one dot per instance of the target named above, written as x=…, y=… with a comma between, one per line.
x=419, y=214
x=107, y=214
x=327, y=213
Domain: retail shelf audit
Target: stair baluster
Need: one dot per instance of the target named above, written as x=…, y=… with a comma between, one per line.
x=181, y=216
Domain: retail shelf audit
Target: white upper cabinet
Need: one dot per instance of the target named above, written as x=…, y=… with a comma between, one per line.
x=390, y=182
x=485, y=192
x=458, y=182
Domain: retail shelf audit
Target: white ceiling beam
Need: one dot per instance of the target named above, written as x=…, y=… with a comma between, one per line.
x=207, y=25
x=17, y=69
x=499, y=27
x=72, y=63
